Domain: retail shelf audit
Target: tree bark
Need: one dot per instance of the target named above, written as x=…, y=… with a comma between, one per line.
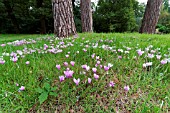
x=151, y=16
x=64, y=25
x=11, y=15
x=86, y=16
x=42, y=17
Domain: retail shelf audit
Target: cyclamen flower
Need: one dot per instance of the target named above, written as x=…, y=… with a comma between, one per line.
x=164, y=61
x=67, y=56
x=76, y=81
x=68, y=73
x=84, y=66
x=158, y=57
x=14, y=59
x=2, y=61
x=140, y=52
x=126, y=88
x=2, y=45
x=101, y=66
x=111, y=84
x=98, y=62
x=65, y=64
x=119, y=57
x=27, y=62
x=61, y=78
x=106, y=68
x=22, y=88
x=17, y=84
x=89, y=80
x=150, y=55
x=58, y=67
x=110, y=65
x=147, y=64
x=84, y=50
x=94, y=70
x=72, y=63
x=96, y=76
x=93, y=55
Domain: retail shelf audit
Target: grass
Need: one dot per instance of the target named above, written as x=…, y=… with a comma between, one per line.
x=149, y=87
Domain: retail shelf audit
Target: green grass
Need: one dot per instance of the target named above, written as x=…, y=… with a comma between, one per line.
x=149, y=87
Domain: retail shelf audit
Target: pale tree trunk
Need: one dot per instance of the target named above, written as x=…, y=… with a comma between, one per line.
x=151, y=16
x=64, y=25
x=86, y=16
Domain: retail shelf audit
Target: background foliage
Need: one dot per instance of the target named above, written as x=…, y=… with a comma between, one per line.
x=108, y=16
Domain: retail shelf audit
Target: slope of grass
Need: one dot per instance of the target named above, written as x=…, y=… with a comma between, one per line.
x=149, y=85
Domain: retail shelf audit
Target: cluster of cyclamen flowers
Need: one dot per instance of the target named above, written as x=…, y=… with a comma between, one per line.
x=19, y=42
x=68, y=73
x=45, y=49
x=150, y=54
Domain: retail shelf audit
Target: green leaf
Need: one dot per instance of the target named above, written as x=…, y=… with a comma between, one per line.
x=43, y=97
x=47, y=86
x=39, y=90
x=53, y=94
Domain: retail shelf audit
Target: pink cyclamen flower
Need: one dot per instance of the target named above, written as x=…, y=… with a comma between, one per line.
x=119, y=57
x=140, y=52
x=150, y=55
x=106, y=68
x=58, y=67
x=89, y=80
x=65, y=64
x=27, y=62
x=68, y=73
x=67, y=56
x=158, y=57
x=14, y=59
x=72, y=63
x=111, y=84
x=126, y=88
x=101, y=66
x=2, y=61
x=22, y=88
x=17, y=84
x=84, y=66
x=96, y=76
x=61, y=78
x=98, y=62
x=164, y=61
x=94, y=70
x=76, y=81
x=2, y=45
x=84, y=50
x=93, y=55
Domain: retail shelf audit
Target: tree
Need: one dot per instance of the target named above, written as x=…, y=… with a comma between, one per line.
x=39, y=4
x=64, y=25
x=151, y=16
x=114, y=16
x=11, y=15
x=86, y=16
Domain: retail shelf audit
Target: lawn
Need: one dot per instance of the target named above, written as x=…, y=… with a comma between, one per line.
x=99, y=73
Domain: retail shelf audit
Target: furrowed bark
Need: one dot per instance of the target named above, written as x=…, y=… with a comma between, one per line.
x=151, y=16
x=64, y=25
x=86, y=16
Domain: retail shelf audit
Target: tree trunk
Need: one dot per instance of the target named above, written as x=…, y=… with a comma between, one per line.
x=42, y=17
x=64, y=25
x=86, y=16
x=151, y=16
x=11, y=15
